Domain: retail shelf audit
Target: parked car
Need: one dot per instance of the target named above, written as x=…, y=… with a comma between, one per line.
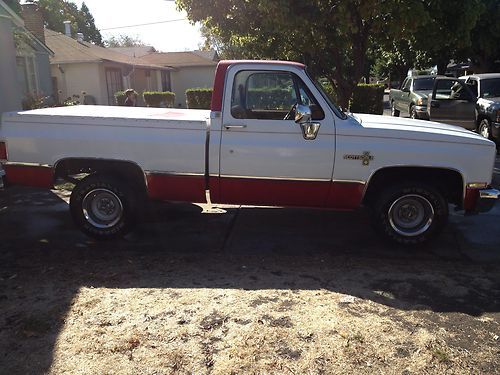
x=272, y=137
x=472, y=102
x=411, y=97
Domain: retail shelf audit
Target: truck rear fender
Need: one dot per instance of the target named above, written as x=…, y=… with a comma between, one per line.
x=449, y=182
x=127, y=171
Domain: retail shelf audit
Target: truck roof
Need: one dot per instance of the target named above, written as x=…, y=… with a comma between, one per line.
x=482, y=76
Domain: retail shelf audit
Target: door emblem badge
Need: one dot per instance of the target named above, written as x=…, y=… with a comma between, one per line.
x=365, y=157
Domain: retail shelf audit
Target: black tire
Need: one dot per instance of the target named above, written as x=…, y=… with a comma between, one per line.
x=103, y=207
x=395, y=208
x=394, y=111
x=484, y=129
x=413, y=113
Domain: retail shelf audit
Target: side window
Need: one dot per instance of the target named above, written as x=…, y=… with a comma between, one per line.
x=406, y=85
x=450, y=89
x=268, y=95
x=472, y=84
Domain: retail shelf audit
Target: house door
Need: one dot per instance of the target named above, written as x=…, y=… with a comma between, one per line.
x=114, y=83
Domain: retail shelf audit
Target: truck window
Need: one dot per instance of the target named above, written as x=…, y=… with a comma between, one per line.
x=406, y=84
x=423, y=84
x=472, y=84
x=447, y=89
x=490, y=88
x=269, y=95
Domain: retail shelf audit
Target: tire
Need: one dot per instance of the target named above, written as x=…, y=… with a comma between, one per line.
x=413, y=113
x=484, y=128
x=409, y=214
x=394, y=111
x=103, y=207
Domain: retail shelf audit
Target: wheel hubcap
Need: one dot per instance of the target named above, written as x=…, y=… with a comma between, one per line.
x=411, y=215
x=485, y=132
x=102, y=208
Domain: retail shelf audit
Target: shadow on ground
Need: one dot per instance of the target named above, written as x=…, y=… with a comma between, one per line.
x=44, y=261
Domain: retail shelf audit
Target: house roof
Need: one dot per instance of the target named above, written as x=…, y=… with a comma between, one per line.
x=182, y=59
x=68, y=50
x=134, y=51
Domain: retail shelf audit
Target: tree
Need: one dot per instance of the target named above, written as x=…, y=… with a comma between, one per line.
x=14, y=5
x=331, y=36
x=55, y=12
x=123, y=40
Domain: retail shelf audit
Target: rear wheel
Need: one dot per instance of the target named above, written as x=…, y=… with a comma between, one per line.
x=485, y=128
x=410, y=213
x=103, y=207
x=394, y=111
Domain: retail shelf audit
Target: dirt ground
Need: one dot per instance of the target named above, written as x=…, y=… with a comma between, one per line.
x=251, y=291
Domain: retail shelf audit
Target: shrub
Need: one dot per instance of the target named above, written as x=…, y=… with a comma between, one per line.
x=270, y=99
x=367, y=98
x=157, y=98
x=198, y=98
x=120, y=97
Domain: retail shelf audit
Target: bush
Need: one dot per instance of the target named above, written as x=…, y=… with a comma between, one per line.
x=120, y=97
x=157, y=98
x=270, y=99
x=198, y=98
x=367, y=98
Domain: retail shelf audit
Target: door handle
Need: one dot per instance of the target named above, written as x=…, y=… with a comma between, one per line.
x=227, y=127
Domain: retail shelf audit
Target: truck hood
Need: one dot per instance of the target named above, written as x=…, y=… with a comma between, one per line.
x=403, y=128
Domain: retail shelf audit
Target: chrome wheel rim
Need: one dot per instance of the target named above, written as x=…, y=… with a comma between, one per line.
x=411, y=215
x=102, y=208
x=413, y=115
x=485, y=131
x=393, y=110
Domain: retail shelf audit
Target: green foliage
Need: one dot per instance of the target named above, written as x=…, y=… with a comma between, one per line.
x=198, y=98
x=158, y=98
x=270, y=99
x=368, y=98
x=120, y=97
x=14, y=5
x=35, y=101
x=55, y=12
x=72, y=100
x=123, y=41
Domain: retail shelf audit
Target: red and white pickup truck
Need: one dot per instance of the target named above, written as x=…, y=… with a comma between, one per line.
x=272, y=137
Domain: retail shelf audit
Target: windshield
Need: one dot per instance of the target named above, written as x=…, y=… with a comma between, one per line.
x=326, y=90
x=423, y=84
x=490, y=88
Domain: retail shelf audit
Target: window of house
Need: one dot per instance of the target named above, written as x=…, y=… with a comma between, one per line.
x=166, y=84
x=114, y=83
x=269, y=95
x=27, y=74
x=148, y=80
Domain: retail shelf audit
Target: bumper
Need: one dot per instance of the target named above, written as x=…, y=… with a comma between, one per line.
x=487, y=199
x=421, y=111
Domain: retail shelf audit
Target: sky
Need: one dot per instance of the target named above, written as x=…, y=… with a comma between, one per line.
x=166, y=37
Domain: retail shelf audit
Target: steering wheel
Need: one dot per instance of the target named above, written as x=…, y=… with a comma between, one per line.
x=288, y=116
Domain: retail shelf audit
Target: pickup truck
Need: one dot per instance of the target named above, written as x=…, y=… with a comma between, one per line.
x=272, y=137
x=411, y=97
x=472, y=102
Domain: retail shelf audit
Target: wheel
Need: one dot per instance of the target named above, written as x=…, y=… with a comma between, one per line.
x=103, y=207
x=413, y=113
x=394, y=111
x=410, y=213
x=485, y=128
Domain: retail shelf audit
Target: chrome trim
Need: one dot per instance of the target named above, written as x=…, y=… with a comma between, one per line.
x=350, y=182
x=400, y=228
x=277, y=178
x=175, y=173
x=23, y=164
x=489, y=194
x=477, y=185
x=228, y=127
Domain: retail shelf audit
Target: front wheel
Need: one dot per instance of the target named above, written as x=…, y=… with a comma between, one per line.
x=485, y=128
x=410, y=213
x=103, y=207
x=394, y=111
x=413, y=112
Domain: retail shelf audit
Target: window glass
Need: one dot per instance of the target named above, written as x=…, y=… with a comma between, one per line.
x=472, y=84
x=423, y=84
x=406, y=84
x=490, y=88
x=451, y=90
x=268, y=95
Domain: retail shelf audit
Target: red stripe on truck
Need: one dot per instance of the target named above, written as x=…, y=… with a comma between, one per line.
x=471, y=199
x=29, y=175
x=176, y=188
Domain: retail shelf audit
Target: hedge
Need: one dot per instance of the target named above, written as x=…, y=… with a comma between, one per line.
x=157, y=98
x=120, y=97
x=198, y=98
x=367, y=98
x=279, y=98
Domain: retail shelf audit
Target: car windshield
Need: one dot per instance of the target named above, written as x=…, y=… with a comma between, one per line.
x=324, y=87
x=423, y=84
x=490, y=88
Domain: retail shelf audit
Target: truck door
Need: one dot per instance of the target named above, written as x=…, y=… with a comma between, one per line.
x=404, y=99
x=452, y=102
x=264, y=158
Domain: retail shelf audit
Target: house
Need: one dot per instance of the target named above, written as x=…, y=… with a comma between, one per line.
x=78, y=66
x=190, y=69
x=24, y=57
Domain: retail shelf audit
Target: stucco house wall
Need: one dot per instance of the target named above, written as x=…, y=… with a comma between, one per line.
x=191, y=77
x=72, y=79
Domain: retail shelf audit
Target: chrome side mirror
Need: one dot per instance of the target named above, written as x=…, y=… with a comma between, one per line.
x=303, y=115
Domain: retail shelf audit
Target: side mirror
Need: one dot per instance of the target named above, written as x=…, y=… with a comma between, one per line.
x=303, y=115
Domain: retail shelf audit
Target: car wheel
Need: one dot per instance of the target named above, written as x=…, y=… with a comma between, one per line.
x=413, y=112
x=394, y=111
x=103, y=207
x=409, y=213
x=485, y=128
